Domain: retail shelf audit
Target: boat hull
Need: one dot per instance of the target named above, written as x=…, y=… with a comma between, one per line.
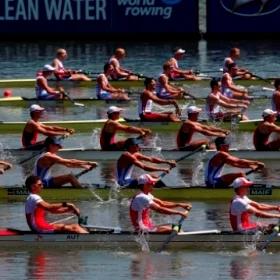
x=96, y=154
x=200, y=240
x=27, y=83
x=102, y=192
x=82, y=126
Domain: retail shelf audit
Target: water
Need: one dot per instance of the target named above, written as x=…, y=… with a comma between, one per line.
x=22, y=60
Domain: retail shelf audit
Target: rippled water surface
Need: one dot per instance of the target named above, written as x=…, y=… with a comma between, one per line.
x=22, y=60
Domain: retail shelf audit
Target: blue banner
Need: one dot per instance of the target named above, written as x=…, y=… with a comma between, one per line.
x=243, y=16
x=96, y=16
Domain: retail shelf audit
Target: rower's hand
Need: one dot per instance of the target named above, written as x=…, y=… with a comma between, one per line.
x=184, y=214
x=165, y=170
x=70, y=130
x=2, y=171
x=172, y=163
x=260, y=165
x=7, y=166
x=178, y=111
x=186, y=206
x=74, y=209
x=145, y=131
x=92, y=164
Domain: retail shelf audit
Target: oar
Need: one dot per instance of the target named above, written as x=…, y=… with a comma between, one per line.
x=267, y=89
x=84, y=172
x=174, y=232
x=186, y=93
x=259, y=77
x=265, y=244
x=141, y=76
x=72, y=100
x=160, y=183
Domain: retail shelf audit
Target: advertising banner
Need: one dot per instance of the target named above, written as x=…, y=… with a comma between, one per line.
x=96, y=16
x=243, y=16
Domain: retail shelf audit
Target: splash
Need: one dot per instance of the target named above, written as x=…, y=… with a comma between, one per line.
x=142, y=240
x=94, y=138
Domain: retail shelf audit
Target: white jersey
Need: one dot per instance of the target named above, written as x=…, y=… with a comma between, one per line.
x=225, y=90
x=213, y=109
x=40, y=92
x=99, y=90
x=239, y=216
x=144, y=106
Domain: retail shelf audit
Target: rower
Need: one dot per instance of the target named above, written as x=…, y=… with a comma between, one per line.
x=35, y=208
x=164, y=89
x=214, y=168
x=275, y=101
x=50, y=158
x=216, y=102
x=42, y=89
x=133, y=157
x=147, y=97
x=104, y=90
x=241, y=72
x=185, y=140
x=141, y=204
x=229, y=89
x=4, y=165
x=112, y=126
x=178, y=73
x=242, y=208
x=62, y=73
x=34, y=127
x=263, y=131
x=119, y=72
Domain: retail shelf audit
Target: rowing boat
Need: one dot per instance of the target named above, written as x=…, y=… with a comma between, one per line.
x=89, y=125
x=27, y=83
x=19, y=101
x=97, y=154
x=190, y=193
x=26, y=102
x=115, y=238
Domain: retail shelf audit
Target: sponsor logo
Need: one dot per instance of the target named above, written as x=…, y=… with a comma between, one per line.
x=171, y=2
x=250, y=8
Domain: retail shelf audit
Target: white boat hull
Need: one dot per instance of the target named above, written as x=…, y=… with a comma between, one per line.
x=209, y=239
x=95, y=154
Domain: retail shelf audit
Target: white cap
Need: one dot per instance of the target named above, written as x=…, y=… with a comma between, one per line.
x=48, y=67
x=193, y=109
x=268, y=112
x=241, y=182
x=146, y=179
x=114, y=109
x=36, y=107
x=180, y=51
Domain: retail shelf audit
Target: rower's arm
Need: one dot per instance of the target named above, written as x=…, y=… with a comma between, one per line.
x=169, y=204
x=161, y=101
x=273, y=128
x=58, y=208
x=72, y=163
x=262, y=214
x=131, y=129
x=57, y=128
x=168, y=87
x=164, y=210
x=264, y=207
x=43, y=84
x=207, y=131
x=45, y=130
x=105, y=86
x=136, y=161
x=171, y=163
x=242, y=163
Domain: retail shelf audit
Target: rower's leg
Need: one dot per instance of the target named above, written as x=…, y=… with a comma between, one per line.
x=274, y=145
x=227, y=179
x=64, y=179
x=75, y=228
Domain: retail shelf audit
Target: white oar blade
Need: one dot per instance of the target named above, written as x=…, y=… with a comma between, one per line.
x=79, y=104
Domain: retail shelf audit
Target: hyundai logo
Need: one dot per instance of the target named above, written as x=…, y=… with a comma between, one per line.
x=250, y=8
